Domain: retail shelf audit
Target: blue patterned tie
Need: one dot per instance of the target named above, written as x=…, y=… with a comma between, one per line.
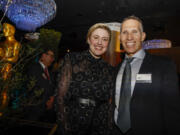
x=123, y=120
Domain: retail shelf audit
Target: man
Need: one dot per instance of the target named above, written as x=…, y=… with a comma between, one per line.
x=152, y=104
x=43, y=89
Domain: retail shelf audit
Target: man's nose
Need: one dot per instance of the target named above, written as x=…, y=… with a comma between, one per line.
x=130, y=36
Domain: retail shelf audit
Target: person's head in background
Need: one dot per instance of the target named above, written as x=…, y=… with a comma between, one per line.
x=47, y=57
x=98, y=38
x=132, y=35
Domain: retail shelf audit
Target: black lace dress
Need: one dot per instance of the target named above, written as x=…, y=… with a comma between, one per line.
x=83, y=95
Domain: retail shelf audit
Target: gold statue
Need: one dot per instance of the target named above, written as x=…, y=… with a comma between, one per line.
x=9, y=51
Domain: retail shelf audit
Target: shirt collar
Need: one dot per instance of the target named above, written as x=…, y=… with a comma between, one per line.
x=140, y=54
x=42, y=65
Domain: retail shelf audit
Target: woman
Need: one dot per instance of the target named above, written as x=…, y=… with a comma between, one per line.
x=84, y=87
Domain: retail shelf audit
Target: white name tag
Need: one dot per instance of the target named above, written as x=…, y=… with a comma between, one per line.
x=144, y=78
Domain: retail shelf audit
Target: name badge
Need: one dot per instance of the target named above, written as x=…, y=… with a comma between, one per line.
x=144, y=78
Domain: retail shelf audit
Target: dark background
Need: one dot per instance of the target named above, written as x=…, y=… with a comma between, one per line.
x=161, y=19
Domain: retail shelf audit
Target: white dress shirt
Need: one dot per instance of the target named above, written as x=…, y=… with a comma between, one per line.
x=135, y=66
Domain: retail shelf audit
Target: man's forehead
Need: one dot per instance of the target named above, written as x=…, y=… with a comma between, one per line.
x=130, y=24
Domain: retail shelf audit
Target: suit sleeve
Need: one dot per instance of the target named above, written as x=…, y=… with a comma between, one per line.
x=38, y=87
x=171, y=99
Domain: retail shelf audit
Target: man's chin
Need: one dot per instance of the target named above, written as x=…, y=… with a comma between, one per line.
x=130, y=53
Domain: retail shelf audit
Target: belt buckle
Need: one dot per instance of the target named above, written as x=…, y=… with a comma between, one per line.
x=93, y=103
x=87, y=101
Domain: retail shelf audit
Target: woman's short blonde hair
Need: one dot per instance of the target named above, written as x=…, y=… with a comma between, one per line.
x=97, y=26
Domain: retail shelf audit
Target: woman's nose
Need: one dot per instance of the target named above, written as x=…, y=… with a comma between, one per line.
x=99, y=41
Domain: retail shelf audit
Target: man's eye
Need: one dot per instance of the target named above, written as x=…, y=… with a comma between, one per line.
x=135, y=31
x=124, y=32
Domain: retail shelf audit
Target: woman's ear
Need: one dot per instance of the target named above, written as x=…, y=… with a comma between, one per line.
x=88, y=41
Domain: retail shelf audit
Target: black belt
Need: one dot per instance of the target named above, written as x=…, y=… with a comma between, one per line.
x=87, y=101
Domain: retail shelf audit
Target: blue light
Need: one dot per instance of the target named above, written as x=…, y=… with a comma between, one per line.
x=28, y=15
x=157, y=43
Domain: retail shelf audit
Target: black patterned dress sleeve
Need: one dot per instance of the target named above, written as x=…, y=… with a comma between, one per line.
x=63, y=82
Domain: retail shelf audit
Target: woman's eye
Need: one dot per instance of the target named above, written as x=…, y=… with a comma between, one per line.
x=124, y=32
x=105, y=39
x=95, y=37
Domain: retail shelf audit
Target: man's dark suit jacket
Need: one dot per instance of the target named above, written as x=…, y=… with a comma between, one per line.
x=155, y=107
x=36, y=72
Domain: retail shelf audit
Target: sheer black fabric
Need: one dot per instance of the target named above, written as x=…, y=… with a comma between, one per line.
x=81, y=76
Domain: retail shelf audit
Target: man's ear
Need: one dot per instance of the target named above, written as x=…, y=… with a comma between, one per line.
x=143, y=36
x=43, y=56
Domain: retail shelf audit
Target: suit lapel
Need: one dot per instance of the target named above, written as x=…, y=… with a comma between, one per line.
x=42, y=73
x=146, y=64
x=146, y=68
